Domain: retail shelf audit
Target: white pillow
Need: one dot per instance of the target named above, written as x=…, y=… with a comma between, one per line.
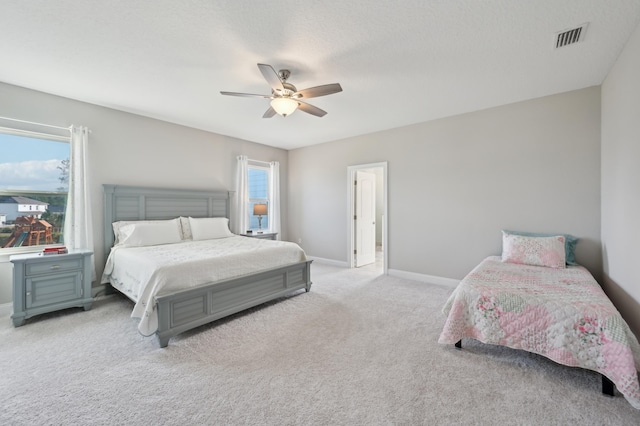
x=186, y=228
x=208, y=228
x=117, y=226
x=150, y=233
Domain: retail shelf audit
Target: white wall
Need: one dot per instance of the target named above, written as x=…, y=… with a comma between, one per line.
x=128, y=149
x=455, y=183
x=621, y=182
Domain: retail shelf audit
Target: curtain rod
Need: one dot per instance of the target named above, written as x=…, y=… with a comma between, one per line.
x=258, y=161
x=37, y=124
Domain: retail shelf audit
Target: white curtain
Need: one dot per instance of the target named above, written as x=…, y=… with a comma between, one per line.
x=274, y=191
x=241, y=222
x=78, y=221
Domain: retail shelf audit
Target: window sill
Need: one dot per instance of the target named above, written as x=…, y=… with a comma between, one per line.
x=6, y=252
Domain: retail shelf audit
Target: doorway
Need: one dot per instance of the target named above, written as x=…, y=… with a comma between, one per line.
x=368, y=230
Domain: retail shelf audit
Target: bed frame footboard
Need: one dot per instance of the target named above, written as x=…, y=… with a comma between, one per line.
x=185, y=310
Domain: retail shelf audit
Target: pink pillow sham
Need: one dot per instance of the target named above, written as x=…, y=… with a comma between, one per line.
x=537, y=251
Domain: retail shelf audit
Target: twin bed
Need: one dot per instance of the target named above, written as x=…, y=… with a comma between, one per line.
x=171, y=253
x=529, y=299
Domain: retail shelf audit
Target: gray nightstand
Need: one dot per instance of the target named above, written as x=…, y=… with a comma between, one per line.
x=49, y=283
x=264, y=235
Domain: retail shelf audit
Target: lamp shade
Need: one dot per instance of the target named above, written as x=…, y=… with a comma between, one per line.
x=259, y=209
x=284, y=106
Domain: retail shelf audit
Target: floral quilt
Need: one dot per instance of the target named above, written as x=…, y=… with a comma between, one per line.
x=562, y=314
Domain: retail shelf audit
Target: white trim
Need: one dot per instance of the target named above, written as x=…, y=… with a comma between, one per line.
x=102, y=288
x=259, y=164
x=269, y=201
x=351, y=172
x=6, y=309
x=37, y=124
x=431, y=279
x=36, y=135
x=329, y=261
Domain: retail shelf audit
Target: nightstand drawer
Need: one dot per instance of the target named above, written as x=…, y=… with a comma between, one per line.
x=54, y=265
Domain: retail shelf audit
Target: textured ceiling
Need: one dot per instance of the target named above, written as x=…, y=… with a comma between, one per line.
x=399, y=62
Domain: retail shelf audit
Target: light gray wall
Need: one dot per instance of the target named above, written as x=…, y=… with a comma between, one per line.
x=621, y=182
x=455, y=183
x=129, y=149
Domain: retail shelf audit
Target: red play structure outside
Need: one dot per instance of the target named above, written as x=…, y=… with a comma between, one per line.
x=30, y=231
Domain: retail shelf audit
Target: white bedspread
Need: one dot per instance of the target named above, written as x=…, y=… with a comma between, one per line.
x=142, y=273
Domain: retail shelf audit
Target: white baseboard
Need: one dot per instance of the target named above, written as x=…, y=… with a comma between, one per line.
x=447, y=282
x=98, y=290
x=6, y=309
x=328, y=261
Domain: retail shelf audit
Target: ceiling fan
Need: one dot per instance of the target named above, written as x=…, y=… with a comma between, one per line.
x=285, y=98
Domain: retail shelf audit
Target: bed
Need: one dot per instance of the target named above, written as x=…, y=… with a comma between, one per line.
x=178, y=279
x=557, y=311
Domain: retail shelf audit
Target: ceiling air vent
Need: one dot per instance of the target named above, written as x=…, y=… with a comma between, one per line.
x=571, y=36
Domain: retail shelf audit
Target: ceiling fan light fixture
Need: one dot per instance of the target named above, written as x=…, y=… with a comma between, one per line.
x=285, y=98
x=284, y=106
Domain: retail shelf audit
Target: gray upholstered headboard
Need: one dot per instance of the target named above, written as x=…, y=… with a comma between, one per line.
x=141, y=203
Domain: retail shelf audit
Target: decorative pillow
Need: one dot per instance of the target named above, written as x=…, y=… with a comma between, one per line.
x=569, y=243
x=150, y=233
x=117, y=226
x=208, y=228
x=186, y=228
x=537, y=251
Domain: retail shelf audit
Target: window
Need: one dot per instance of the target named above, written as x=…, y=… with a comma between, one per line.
x=34, y=178
x=258, y=183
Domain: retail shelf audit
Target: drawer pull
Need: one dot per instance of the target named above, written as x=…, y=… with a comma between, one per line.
x=28, y=293
x=55, y=266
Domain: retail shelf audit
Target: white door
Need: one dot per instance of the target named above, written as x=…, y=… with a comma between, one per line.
x=365, y=219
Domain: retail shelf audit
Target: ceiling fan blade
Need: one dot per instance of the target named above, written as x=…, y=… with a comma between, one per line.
x=314, y=92
x=269, y=113
x=310, y=109
x=272, y=77
x=246, y=95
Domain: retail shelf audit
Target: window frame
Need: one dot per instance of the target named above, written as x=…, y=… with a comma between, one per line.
x=255, y=165
x=35, y=193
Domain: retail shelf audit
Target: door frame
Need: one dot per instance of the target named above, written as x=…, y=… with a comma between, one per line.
x=351, y=176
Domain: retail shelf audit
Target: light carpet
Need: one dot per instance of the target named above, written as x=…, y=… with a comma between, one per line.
x=359, y=349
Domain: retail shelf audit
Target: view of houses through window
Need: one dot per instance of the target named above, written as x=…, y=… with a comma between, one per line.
x=34, y=179
x=258, y=182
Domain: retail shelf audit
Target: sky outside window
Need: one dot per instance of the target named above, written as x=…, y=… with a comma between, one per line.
x=31, y=164
x=258, y=183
